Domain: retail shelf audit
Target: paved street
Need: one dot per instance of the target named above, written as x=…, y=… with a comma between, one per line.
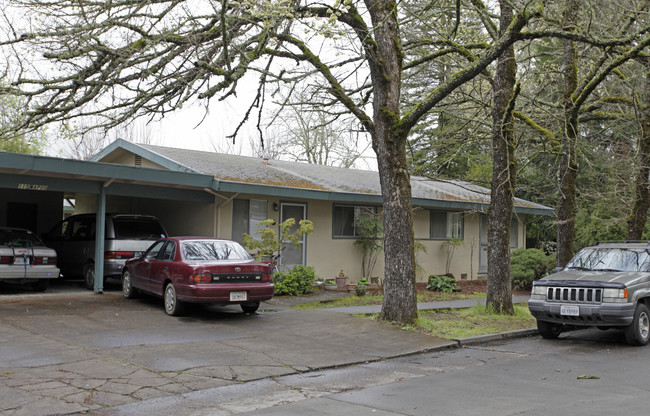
x=74, y=352
x=586, y=372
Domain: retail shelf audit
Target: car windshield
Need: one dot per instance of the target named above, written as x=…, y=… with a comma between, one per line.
x=18, y=238
x=213, y=250
x=611, y=259
x=137, y=228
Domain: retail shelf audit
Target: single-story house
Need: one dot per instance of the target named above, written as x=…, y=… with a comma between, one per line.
x=211, y=194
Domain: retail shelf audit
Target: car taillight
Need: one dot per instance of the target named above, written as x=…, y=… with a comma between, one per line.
x=119, y=255
x=44, y=260
x=5, y=260
x=267, y=277
x=201, y=277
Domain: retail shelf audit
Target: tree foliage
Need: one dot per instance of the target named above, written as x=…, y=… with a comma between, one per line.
x=21, y=140
x=418, y=77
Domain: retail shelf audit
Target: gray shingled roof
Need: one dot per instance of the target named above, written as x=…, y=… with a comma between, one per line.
x=250, y=170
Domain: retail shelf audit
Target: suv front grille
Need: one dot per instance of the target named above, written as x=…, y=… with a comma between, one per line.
x=574, y=294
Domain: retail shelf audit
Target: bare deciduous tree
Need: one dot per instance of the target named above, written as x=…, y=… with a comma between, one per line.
x=119, y=60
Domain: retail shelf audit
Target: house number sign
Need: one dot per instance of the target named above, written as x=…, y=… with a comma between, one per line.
x=32, y=187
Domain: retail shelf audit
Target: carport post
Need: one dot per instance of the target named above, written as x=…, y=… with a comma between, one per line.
x=100, y=233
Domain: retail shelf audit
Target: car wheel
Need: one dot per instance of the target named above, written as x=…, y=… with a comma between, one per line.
x=549, y=330
x=89, y=276
x=173, y=306
x=250, y=307
x=128, y=290
x=638, y=333
x=40, y=285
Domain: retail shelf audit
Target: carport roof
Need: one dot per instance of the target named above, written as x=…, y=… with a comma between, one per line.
x=291, y=179
x=34, y=172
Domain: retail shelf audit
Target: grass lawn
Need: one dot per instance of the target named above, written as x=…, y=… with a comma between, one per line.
x=462, y=323
x=469, y=322
x=377, y=299
x=444, y=323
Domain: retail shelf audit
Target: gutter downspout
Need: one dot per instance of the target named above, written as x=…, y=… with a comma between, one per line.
x=217, y=209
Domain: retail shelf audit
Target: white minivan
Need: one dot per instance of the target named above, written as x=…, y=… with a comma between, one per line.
x=126, y=236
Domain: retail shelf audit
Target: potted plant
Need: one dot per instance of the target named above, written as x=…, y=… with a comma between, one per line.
x=362, y=287
x=341, y=281
x=330, y=284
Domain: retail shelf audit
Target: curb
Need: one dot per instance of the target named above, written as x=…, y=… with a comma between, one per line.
x=481, y=339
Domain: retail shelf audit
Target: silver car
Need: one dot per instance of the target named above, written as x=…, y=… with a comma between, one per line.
x=606, y=285
x=25, y=259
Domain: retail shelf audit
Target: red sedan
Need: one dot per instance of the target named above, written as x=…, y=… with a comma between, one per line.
x=198, y=270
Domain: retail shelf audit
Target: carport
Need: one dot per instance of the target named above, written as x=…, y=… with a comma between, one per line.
x=48, y=180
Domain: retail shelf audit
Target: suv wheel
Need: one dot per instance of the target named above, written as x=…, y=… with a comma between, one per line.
x=549, y=330
x=89, y=276
x=638, y=333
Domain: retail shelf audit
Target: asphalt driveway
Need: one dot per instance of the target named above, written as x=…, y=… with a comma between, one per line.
x=72, y=351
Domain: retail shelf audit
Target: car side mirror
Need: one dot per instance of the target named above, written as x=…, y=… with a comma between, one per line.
x=558, y=269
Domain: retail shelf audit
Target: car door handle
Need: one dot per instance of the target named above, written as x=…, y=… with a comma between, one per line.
x=166, y=269
x=148, y=266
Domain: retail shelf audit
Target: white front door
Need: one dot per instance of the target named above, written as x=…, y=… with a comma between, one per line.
x=292, y=255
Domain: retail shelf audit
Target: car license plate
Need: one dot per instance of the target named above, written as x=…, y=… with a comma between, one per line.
x=238, y=296
x=570, y=310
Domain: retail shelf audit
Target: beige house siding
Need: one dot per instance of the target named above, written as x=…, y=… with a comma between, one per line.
x=124, y=157
x=327, y=254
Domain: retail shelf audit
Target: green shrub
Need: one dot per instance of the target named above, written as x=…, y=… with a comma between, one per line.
x=296, y=282
x=442, y=284
x=527, y=265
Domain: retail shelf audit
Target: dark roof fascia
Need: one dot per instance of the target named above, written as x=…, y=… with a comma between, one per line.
x=298, y=193
x=159, y=192
x=145, y=153
x=44, y=183
x=479, y=206
x=34, y=164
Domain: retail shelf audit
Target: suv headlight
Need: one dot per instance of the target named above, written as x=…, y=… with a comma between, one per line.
x=615, y=295
x=538, y=292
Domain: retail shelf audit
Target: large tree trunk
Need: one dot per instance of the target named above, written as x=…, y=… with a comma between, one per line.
x=568, y=169
x=639, y=213
x=499, y=288
x=389, y=143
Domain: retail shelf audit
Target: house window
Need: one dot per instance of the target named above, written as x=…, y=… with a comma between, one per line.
x=345, y=218
x=446, y=225
x=246, y=214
